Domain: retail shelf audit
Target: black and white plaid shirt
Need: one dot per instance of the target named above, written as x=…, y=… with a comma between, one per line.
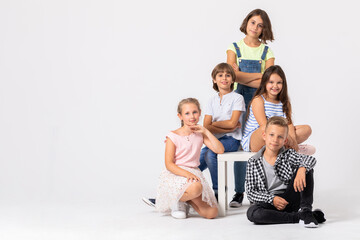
x=287, y=162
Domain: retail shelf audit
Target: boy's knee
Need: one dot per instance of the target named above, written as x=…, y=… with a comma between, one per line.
x=254, y=214
x=250, y=212
x=211, y=156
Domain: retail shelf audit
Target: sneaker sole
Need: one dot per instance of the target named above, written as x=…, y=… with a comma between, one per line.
x=145, y=200
x=310, y=225
x=178, y=214
x=235, y=204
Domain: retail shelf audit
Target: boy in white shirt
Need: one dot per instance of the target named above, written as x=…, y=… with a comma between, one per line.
x=222, y=118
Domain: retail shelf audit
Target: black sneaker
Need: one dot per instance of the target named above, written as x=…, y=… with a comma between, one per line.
x=237, y=200
x=307, y=219
x=319, y=215
x=149, y=201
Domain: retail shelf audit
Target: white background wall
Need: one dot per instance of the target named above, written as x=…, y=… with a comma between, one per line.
x=89, y=89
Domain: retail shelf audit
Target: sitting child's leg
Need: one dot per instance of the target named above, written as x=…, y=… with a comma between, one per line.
x=230, y=145
x=302, y=132
x=193, y=191
x=297, y=200
x=256, y=139
x=239, y=178
x=203, y=208
x=306, y=196
x=265, y=213
x=203, y=164
x=211, y=162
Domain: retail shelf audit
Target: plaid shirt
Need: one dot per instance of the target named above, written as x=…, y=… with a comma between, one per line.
x=286, y=164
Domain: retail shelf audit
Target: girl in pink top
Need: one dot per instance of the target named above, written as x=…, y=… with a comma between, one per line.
x=182, y=183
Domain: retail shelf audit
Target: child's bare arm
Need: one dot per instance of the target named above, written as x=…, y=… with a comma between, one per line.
x=259, y=110
x=231, y=123
x=241, y=77
x=256, y=82
x=209, y=139
x=208, y=124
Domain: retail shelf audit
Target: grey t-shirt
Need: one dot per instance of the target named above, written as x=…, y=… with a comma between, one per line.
x=274, y=184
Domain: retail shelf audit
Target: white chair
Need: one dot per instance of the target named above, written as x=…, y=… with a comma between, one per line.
x=223, y=159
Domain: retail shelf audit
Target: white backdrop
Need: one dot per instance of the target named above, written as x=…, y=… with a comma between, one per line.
x=88, y=89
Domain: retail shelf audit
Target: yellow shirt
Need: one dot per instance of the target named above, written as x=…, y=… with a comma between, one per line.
x=252, y=53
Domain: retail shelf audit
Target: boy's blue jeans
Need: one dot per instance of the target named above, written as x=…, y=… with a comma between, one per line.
x=208, y=159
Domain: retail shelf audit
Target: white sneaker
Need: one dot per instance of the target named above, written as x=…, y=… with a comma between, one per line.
x=306, y=149
x=179, y=210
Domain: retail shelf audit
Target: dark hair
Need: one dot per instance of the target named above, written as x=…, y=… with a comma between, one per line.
x=223, y=67
x=186, y=101
x=278, y=121
x=282, y=96
x=266, y=33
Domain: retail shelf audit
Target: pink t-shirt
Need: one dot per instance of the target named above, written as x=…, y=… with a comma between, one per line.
x=188, y=148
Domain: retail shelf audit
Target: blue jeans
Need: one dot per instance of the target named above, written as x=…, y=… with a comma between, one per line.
x=208, y=159
x=239, y=176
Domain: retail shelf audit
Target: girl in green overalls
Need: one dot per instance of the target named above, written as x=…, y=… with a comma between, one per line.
x=249, y=57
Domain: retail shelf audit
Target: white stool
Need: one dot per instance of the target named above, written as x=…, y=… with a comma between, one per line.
x=223, y=159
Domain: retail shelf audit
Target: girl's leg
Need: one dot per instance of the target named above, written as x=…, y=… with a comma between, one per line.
x=302, y=133
x=193, y=191
x=256, y=139
x=203, y=208
x=239, y=176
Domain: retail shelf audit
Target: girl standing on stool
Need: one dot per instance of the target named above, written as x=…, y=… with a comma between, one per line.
x=182, y=182
x=249, y=57
x=271, y=99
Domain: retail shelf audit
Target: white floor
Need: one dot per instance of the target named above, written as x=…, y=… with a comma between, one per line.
x=135, y=220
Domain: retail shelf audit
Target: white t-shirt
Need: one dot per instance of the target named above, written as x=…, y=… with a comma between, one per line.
x=220, y=111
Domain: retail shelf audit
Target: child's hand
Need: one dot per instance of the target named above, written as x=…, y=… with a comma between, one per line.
x=192, y=178
x=197, y=128
x=300, y=181
x=279, y=203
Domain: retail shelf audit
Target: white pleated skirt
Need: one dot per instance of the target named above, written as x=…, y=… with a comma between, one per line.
x=172, y=187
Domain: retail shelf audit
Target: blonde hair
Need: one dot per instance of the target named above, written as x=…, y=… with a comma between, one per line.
x=278, y=121
x=187, y=101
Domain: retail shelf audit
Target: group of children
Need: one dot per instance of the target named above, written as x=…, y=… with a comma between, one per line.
x=250, y=111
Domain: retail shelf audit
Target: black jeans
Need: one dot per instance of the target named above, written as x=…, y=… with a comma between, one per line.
x=266, y=213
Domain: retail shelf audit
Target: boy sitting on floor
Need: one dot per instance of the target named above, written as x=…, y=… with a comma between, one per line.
x=279, y=181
